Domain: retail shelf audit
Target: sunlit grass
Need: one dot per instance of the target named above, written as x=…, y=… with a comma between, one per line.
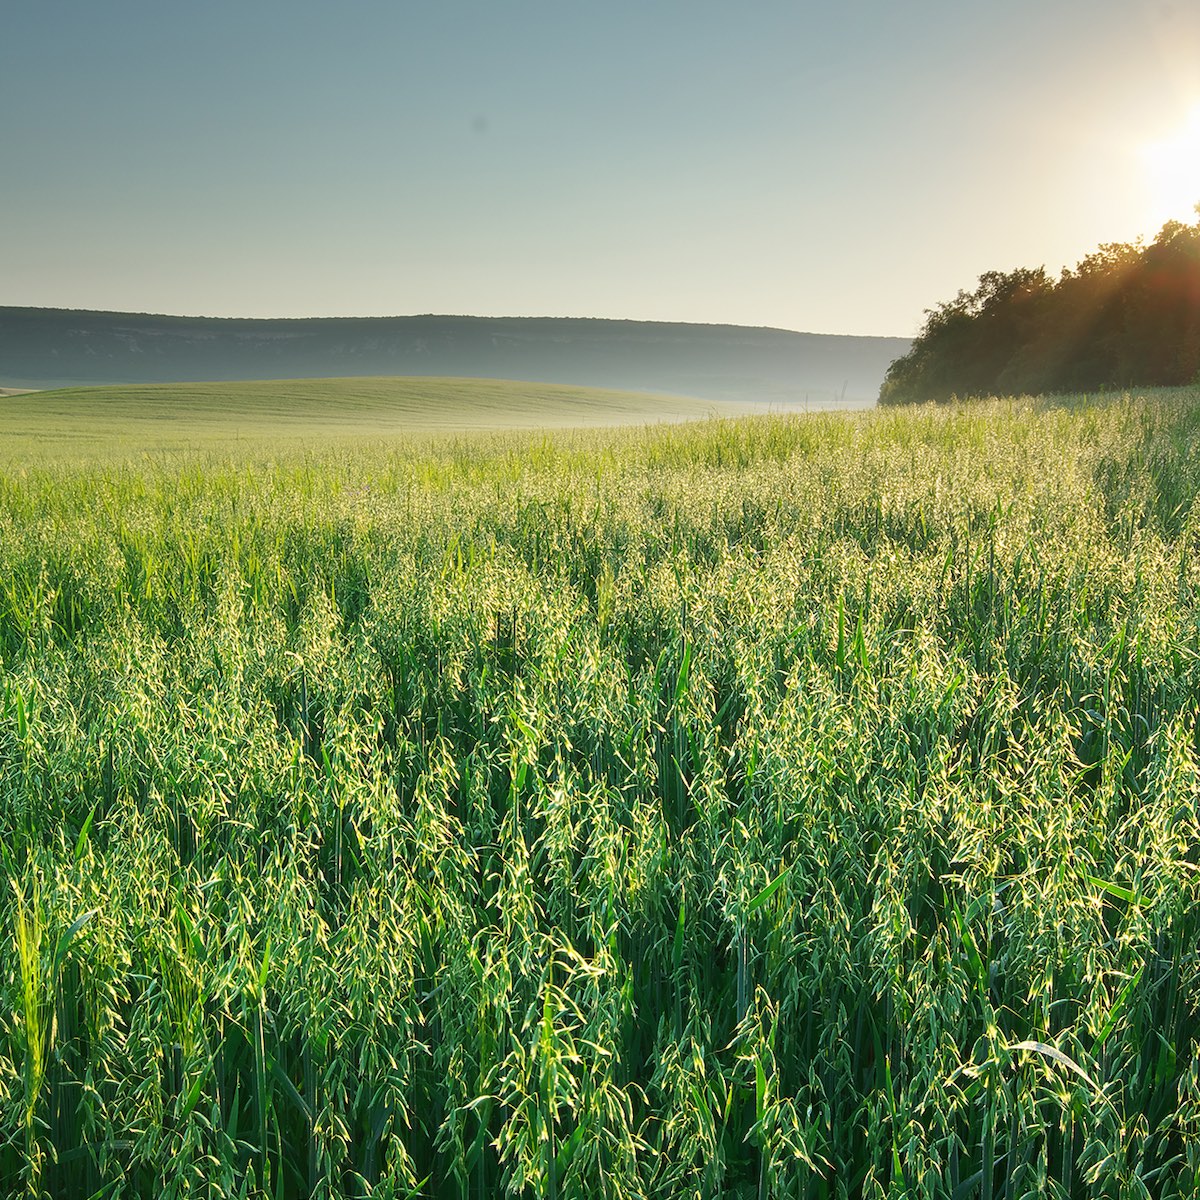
x=775, y=807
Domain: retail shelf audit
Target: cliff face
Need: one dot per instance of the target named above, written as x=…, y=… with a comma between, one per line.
x=48, y=347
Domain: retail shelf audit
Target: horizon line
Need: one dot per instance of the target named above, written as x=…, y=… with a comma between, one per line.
x=122, y=312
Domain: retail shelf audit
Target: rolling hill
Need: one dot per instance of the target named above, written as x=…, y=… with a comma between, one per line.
x=142, y=416
x=42, y=347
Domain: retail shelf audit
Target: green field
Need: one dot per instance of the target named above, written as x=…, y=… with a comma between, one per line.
x=183, y=415
x=780, y=807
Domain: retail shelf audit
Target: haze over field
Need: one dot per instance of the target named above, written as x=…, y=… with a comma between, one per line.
x=828, y=168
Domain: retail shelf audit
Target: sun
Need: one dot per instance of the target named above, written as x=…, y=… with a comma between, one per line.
x=1173, y=173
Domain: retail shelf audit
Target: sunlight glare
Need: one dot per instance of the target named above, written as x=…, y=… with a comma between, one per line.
x=1173, y=173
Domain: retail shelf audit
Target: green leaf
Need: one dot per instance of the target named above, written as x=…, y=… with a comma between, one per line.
x=1118, y=1007
x=68, y=936
x=768, y=891
x=81, y=841
x=1115, y=889
x=973, y=955
x=840, y=658
x=681, y=682
x=289, y=1090
x=193, y=1093
x=266, y=964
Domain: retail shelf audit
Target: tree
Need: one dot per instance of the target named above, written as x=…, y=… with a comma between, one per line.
x=1127, y=314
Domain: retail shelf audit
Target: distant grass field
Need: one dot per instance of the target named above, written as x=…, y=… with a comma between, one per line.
x=181, y=414
x=773, y=808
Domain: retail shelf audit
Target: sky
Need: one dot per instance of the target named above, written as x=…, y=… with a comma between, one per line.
x=834, y=168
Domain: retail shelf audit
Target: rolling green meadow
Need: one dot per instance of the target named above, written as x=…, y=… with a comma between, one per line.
x=784, y=806
x=160, y=418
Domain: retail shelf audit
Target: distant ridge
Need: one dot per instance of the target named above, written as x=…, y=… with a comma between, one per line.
x=41, y=347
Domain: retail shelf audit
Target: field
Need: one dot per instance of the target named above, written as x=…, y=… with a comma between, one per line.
x=172, y=416
x=780, y=807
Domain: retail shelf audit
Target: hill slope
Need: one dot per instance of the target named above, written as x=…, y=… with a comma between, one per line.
x=58, y=347
x=175, y=414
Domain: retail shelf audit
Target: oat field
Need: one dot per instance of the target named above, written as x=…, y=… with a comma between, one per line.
x=776, y=807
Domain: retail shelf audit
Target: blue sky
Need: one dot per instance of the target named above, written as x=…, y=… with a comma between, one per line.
x=836, y=168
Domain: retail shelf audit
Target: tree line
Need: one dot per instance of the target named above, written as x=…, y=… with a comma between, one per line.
x=1127, y=315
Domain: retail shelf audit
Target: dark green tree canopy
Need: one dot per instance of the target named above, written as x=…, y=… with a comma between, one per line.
x=1127, y=315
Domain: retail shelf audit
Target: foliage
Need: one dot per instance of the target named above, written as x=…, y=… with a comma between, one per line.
x=1127, y=315
x=781, y=807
